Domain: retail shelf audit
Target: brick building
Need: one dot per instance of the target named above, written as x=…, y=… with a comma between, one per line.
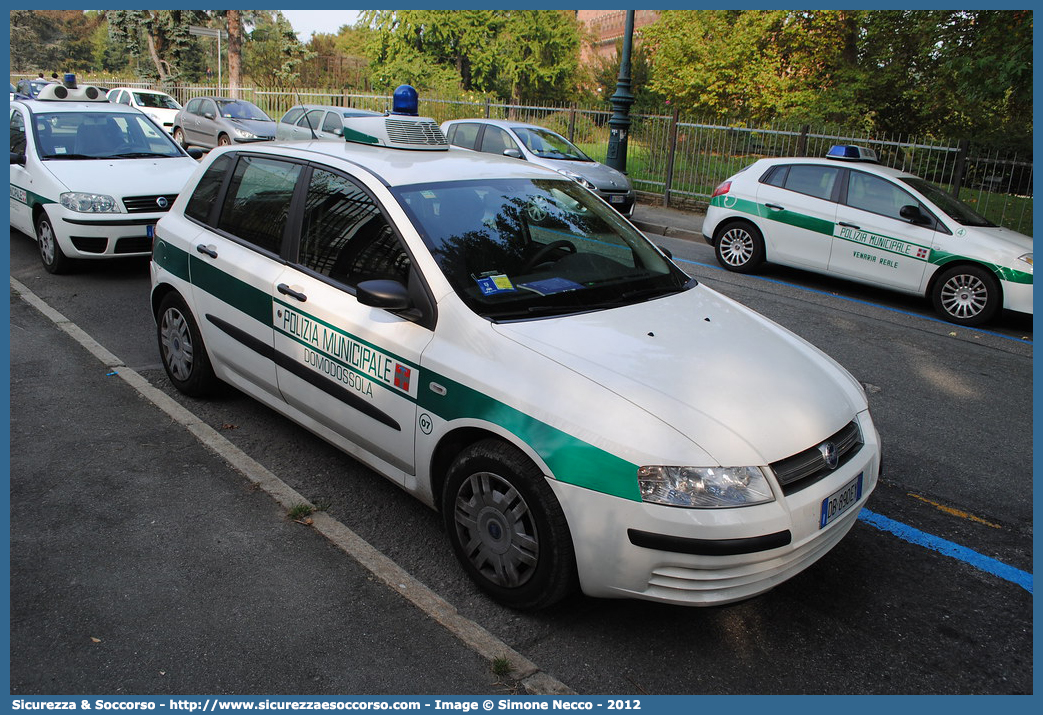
x=606, y=27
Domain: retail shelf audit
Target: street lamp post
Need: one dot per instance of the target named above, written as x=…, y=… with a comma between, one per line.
x=621, y=100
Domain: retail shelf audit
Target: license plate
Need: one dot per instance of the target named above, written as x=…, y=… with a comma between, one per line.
x=617, y=199
x=150, y=230
x=840, y=501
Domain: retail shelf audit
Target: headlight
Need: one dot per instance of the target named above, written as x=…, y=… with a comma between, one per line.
x=1028, y=259
x=704, y=487
x=243, y=133
x=88, y=203
x=578, y=179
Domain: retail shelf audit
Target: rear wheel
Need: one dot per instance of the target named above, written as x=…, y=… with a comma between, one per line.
x=507, y=528
x=182, y=350
x=223, y=140
x=967, y=295
x=739, y=247
x=54, y=259
x=179, y=136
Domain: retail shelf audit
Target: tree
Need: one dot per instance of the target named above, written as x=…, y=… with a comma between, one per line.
x=274, y=55
x=162, y=37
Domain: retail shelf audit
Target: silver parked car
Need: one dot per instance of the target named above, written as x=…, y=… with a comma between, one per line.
x=546, y=148
x=315, y=121
x=220, y=121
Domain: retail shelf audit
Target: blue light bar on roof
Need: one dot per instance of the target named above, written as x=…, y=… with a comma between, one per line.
x=405, y=101
x=850, y=152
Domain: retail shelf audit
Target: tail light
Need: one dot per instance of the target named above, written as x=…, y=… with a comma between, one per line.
x=724, y=188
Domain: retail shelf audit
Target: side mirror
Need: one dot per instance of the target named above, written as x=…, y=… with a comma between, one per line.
x=208, y=115
x=18, y=157
x=913, y=214
x=513, y=153
x=666, y=251
x=195, y=152
x=386, y=294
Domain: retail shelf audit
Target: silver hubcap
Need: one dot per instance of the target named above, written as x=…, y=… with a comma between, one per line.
x=46, y=239
x=736, y=247
x=497, y=530
x=176, y=340
x=964, y=296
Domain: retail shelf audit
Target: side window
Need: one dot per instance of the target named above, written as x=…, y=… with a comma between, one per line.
x=123, y=98
x=879, y=196
x=775, y=176
x=194, y=106
x=208, y=107
x=17, y=132
x=313, y=119
x=292, y=116
x=497, y=141
x=345, y=236
x=258, y=201
x=817, y=181
x=332, y=123
x=464, y=135
x=207, y=189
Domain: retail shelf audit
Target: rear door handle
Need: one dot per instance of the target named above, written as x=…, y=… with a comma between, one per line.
x=207, y=250
x=845, y=224
x=287, y=290
x=775, y=207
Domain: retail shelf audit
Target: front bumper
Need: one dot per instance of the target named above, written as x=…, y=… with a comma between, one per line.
x=621, y=201
x=1017, y=296
x=704, y=557
x=96, y=236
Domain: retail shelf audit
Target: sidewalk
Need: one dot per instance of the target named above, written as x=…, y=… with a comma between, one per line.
x=142, y=563
x=671, y=222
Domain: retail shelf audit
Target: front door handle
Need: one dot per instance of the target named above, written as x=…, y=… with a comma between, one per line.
x=287, y=290
x=845, y=224
x=775, y=207
x=207, y=250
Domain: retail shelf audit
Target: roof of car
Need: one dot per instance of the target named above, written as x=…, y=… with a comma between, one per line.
x=506, y=123
x=871, y=167
x=140, y=89
x=39, y=106
x=403, y=167
x=343, y=111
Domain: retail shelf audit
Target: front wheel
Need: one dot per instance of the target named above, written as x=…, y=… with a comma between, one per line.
x=739, y=247
x=967, y=295
x=179, y=137
x=223, y=140
x=54, y=259
x=507, y=528
x=181, y=348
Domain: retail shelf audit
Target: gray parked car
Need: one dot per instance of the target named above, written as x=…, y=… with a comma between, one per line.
x=546, y=148
x=219, y=121
x=317, y=121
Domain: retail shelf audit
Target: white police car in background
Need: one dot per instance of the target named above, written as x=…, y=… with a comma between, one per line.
x=501, y=344
x=89, y=179
x=847, y=216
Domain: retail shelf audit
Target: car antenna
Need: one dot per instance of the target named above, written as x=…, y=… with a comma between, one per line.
x=308, y=122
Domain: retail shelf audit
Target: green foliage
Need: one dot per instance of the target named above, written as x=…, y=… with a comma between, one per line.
x=273, y=55
x=160, y=41
x=53, y=40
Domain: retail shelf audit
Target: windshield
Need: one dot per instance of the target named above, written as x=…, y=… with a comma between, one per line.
x=155, y=101
x=100, y=135
x=955, y=209
x=238, y=109
x=517, y=249
x=548, y=145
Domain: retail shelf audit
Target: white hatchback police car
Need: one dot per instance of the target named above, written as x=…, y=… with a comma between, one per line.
x=89, y=179
x=500, y=343
x=848, y=216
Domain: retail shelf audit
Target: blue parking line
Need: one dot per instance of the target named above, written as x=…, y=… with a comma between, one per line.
x=857, y=301
x=948, y=548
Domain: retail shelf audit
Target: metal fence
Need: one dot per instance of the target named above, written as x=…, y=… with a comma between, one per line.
x=678, y=161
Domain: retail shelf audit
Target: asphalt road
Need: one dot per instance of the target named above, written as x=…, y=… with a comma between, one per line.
x=878, y=614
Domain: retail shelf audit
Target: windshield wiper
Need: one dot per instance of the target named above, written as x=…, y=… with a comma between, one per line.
x=73, y=156
x=138, y=155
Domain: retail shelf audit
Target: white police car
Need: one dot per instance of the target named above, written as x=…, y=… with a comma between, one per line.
x=504, y=346
x=847, y=216
x=89, y=179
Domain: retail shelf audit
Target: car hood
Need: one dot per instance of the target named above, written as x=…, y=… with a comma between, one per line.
x=604, y=177
x=124, y=177
x=743, y=389
x=1019, y=243
x=259, y=127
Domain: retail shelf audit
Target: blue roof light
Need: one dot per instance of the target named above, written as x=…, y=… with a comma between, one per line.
x=69, y=80
x=405, y=101
x=849, y=152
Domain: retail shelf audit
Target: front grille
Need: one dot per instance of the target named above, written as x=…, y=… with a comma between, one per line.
x=417, y=133
x=143, y=204
x=133, y=244
x=805, y=468
x=90, y=244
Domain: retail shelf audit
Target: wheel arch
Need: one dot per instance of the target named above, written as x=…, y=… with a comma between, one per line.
x=457, y=440
x=945, y=267
x=161, y=291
